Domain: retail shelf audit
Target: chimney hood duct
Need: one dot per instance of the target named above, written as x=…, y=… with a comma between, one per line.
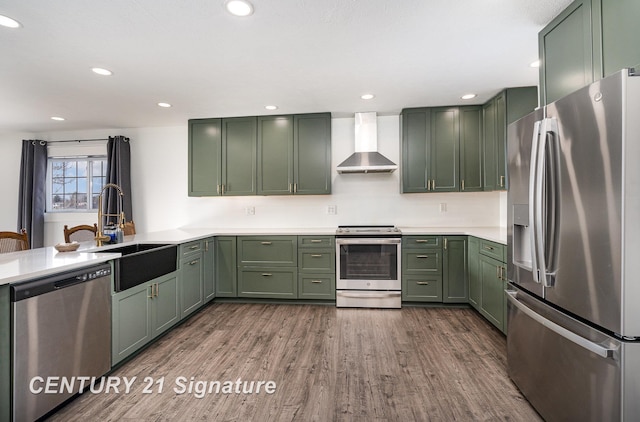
x=366, y=159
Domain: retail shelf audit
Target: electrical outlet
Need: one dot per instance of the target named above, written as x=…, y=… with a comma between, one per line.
x=332, y=209
x=443, y=207
x=251, y=210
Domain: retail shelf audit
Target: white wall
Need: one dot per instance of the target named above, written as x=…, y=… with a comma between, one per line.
x=160, y=201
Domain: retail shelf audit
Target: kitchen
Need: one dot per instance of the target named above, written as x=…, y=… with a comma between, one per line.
x=367, y=198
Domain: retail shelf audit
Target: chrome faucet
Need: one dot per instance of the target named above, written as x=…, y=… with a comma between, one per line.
x=100, y=236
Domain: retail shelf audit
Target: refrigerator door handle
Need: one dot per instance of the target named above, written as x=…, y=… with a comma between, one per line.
x=550, y=199
x=567, y=334
x=533, y=169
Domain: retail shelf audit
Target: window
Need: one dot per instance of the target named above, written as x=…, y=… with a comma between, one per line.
x=74, y=183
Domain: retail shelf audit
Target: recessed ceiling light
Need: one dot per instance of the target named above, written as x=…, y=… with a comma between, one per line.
x=101, y=71
x=271, y=107
x=59, y=119
x=8, y=22
x=165, y=105
x=535, y=64
x=468, y=96
x=239, y=7
x=367, y=96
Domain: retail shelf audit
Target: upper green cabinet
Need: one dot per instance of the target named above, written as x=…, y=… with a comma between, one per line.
x=502, y=110
x=588, y=40
x=470, y=149
x=431, y=149
x=267, y=155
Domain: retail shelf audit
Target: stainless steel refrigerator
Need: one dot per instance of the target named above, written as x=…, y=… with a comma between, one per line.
x=573, y=336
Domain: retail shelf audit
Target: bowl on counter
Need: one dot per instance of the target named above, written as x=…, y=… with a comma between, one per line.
x=67, y=247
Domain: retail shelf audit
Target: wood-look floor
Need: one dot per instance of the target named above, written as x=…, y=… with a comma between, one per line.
x=413, y=364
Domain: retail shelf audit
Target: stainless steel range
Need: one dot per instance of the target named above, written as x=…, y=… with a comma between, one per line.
x=368, y=267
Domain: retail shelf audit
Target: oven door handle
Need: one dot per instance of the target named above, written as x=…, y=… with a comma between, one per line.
x=369, y=241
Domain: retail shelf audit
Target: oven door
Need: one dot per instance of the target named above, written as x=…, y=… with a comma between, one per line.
x=368, y=263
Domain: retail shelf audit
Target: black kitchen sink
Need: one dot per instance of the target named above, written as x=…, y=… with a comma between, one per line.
x=142, y=262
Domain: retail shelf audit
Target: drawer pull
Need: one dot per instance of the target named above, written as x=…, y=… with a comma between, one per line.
x=193, y=247
x=316, y=255
x=489, y=248
x=265, y=243
x=316, y=281
x=422, y=283
x=267, y=274
x=316, y=240
x=422, y=256
x=422, y=240
x=194, y=262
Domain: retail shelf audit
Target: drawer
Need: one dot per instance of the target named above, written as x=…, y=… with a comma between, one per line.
x=322, y=260
x=422, y=261
x=316, y=242
x=276, y=283
x=422, y=289
x=268, y=251
x=412, y=242
x=493, y=249
x=316, y=286
x=191, y=247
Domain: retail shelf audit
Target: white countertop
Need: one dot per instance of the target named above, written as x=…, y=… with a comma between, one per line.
x=34, y=263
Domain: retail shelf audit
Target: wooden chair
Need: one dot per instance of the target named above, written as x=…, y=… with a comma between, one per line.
x=80, y=233
x=12, y=241
x=129, y=228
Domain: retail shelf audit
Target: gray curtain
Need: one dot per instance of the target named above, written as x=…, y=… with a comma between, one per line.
x=32, y=191
x=119, y=173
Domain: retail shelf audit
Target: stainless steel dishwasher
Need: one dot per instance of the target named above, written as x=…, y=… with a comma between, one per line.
x=61, y=328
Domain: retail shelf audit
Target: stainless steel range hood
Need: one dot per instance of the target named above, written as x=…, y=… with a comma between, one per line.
x=366, y=158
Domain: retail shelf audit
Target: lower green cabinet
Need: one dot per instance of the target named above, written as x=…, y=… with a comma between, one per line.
x=422, y=268
x=191, y=283
x=225, y=266
x=473, y=272
x=316, y=286
x=422, y=288
x=209, y=258
x=454, y=270
x=268, y=282
x=143, y=312
x=493, y=286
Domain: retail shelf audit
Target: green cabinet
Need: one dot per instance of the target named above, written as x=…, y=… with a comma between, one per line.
x=225, y=266
x=142, y=313
x=316, y=267
x=470, y=149
x=239, y=152
x=430, y=149
x=421, y=268
x=209, y=258
x=454, y=265
x=588, y=40
x=191, y=267
x=473, y=272
x=267, y=266
x=268, y=155
x=502, y=110
x=312, y=154
x=205, y=157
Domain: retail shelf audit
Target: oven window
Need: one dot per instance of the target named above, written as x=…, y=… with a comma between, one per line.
x=368, y=262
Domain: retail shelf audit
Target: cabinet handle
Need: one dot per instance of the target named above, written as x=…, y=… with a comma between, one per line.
x=422, y=283
x=206, y=246
x=194, y=262
x=489, y=248
x=501, y=181
x=267, y=274
x=316, y=240
x=316, y=281
x=462, y=184
x=429, y=184
x=290, y=187
x=218, y=189
x=445, y=243
x=295, y=188
x=151, y=297
x=422, y=256
x=316, y=255
x=433, y=184
x=193, y=247
x=422, y=240
x=265, y=243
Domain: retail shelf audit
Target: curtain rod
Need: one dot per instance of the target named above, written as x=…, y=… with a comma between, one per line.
x=77, y=140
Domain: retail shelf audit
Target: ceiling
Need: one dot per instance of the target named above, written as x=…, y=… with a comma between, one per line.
x=302, y=55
